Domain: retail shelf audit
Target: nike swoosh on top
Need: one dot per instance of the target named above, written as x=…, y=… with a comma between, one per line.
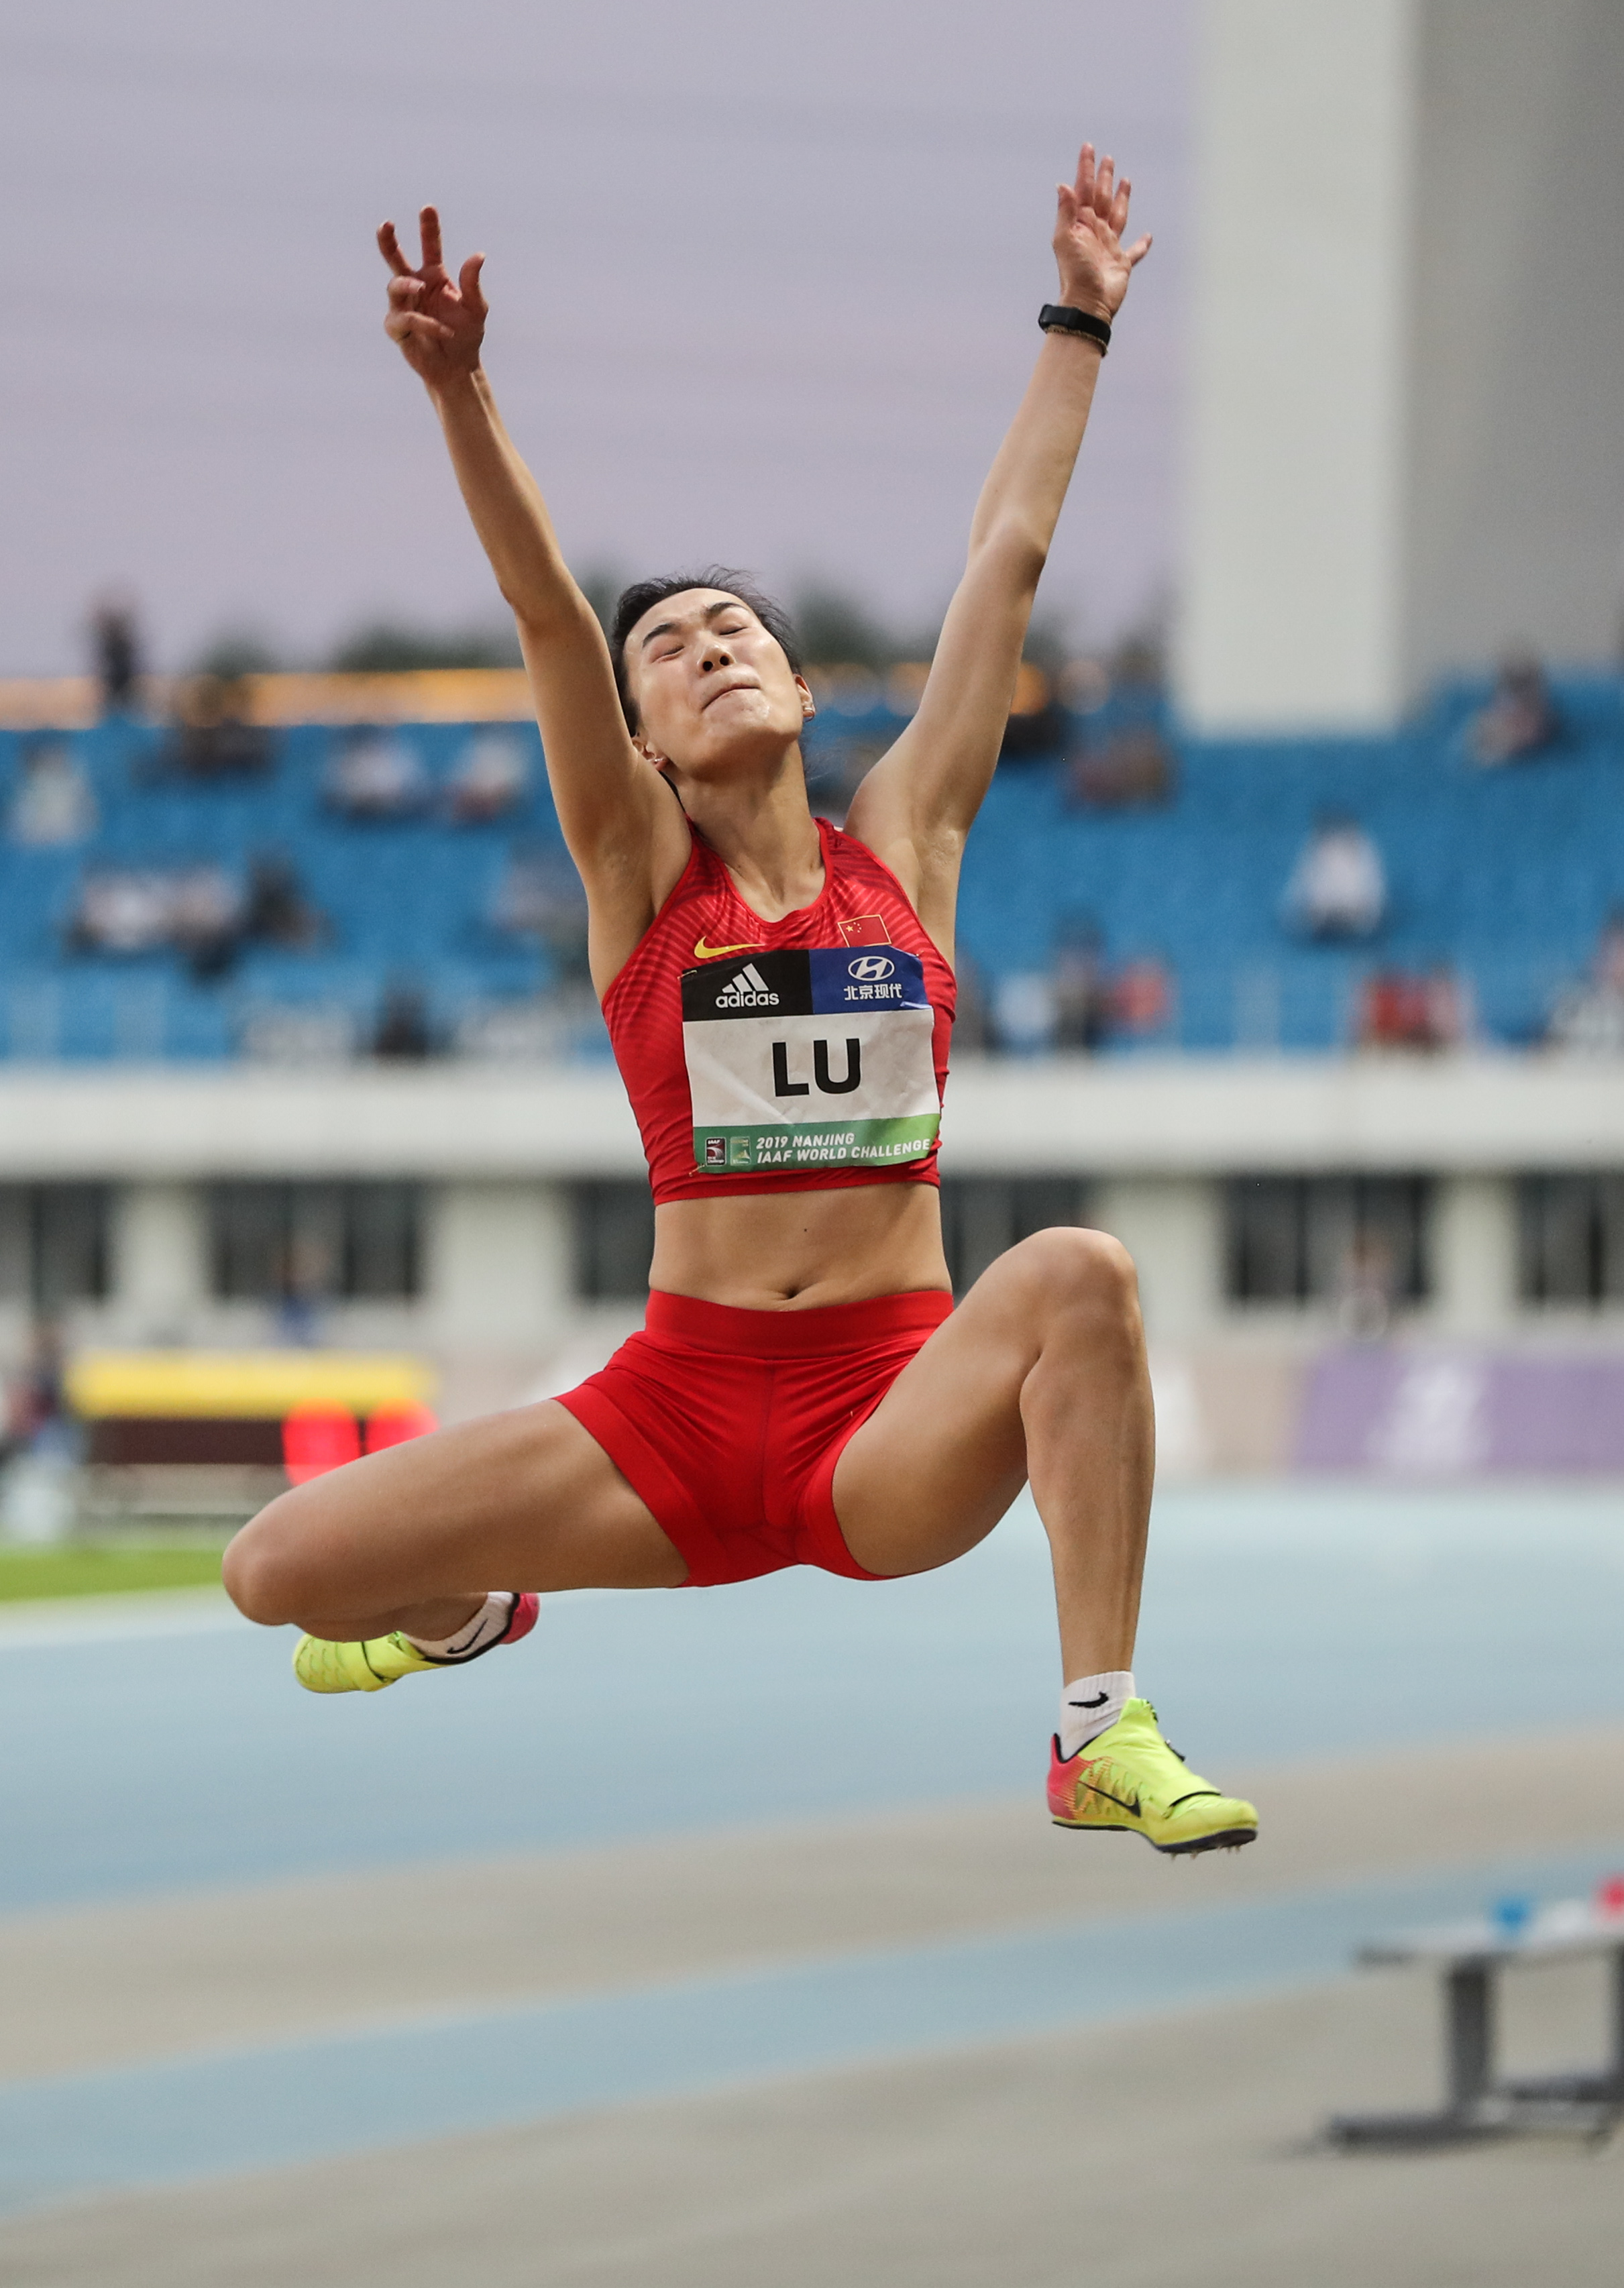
x=1098, y=1702
x=1122, y=1802
x=704, y=952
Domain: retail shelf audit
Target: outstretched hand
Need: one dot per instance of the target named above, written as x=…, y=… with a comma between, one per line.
x=1094, y=265
x=438, y=322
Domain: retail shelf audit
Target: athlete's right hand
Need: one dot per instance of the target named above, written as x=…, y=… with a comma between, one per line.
x=438, y=322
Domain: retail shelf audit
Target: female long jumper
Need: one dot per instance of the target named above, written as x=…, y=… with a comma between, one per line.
x=780, y=997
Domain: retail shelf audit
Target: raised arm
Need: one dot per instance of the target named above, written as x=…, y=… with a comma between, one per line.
x=624, y=830
x=917, y=805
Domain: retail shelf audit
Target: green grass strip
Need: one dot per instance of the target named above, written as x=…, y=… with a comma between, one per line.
x=97, y=1569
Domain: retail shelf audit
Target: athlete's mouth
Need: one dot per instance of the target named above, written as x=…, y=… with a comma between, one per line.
x=727, y=691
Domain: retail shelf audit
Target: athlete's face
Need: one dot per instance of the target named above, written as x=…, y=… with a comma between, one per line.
x=710, y=687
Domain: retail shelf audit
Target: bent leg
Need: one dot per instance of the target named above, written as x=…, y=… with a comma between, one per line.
x=1040, y=1374
x=413, y=1537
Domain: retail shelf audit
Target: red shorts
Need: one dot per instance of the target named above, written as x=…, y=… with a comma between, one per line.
x=729, y=1423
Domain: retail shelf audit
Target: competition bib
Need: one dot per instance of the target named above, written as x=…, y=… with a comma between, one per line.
x=814, y=1058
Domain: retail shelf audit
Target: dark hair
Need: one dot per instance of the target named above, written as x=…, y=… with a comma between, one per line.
x=643, y=595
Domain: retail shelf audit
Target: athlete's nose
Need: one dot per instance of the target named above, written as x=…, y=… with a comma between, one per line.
x=717, y=656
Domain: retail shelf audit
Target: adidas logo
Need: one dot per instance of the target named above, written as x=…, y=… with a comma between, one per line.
x=748, y=990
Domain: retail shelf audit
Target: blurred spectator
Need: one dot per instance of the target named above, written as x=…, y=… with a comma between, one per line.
x=375, y=774
x=1589, y=1016
x=212, y=737
x=1082, y=991
x=121, y=909
x=1024, y=1012
x=972, y=1022
x=1365, y=1288
x=206, y=911
x=304, y=1285
x=276, y=910
x=1134, y=765
x=539, y=895
x=125, y=910
x=1406, y=1009
x=54, y=802
x=1521, y=719
x=117, y=655
x=1080, y=1001
x=1037, y=725
x=403, y=1034
x=489, y=777
x=43, y=1445
x=39, y=1408
x=1142, y=997
x=1338, y=888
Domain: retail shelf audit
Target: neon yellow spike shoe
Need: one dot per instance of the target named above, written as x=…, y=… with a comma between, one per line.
x=1129, y=1779
x=368, y=1666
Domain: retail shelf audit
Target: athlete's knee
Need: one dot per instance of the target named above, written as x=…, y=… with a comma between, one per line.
x=1086, y=1272
x=261, y=1572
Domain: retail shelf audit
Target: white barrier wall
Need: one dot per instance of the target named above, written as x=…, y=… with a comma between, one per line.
x=1407, y=351
x=496, y=1153
x=1115, y=1118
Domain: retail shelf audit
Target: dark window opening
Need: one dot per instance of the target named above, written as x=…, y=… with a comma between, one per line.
x=349, y=1242
x=54, y=1244
x=614, y=1241
x=1571, y=1235
x=1303, y=1239
x=983, y=1216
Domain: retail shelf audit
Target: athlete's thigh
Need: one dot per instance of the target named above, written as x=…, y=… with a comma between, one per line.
x=525, y=1500
x=943, y=1454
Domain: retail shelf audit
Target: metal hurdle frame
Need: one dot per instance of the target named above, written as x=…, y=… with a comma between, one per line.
x=1470, y=1957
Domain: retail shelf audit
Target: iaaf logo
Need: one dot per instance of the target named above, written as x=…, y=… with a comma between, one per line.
x=870, y=968
x=747, y=990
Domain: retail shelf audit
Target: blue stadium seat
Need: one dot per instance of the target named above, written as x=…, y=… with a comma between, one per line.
x=1505, y=875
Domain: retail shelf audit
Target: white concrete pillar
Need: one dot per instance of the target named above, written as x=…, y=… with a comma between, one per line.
x=159, y=1268
x=1474, y=1255
x=498, y=1270
x=1407, y=351
x=1172, y=1228
x=1294, y=522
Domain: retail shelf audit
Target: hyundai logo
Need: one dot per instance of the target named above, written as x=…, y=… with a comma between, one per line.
x=870, y=969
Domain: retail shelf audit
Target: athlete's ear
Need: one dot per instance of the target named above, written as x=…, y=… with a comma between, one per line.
x=808, y=705
x=649, y=754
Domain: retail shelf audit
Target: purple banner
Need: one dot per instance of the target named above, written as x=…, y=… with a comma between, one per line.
x=1449, y=1413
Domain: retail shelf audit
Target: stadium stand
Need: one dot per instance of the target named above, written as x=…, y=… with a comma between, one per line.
x=1503, y=879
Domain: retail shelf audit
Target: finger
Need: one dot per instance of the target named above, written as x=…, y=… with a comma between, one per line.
x=1085, y=176
x=1118, y=206
x=1104, y=185
x=404, y=325
x=1139, y=250
x=468, y=285
x=1066, y=204
x=389, y=247
x=429, y=223
x=404, y=292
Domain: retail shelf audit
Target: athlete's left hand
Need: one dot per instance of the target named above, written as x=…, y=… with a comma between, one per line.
x=1094, y=265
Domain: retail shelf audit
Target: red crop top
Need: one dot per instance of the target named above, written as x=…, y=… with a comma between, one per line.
x=793, y=1055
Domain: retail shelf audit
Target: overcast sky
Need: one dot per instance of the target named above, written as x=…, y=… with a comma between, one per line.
x=763, y=285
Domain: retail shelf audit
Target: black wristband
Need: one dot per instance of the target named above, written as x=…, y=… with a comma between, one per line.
x=1061, y=318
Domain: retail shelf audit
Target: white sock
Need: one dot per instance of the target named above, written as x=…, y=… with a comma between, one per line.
x=488, y=1624
x=1091, y=1706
